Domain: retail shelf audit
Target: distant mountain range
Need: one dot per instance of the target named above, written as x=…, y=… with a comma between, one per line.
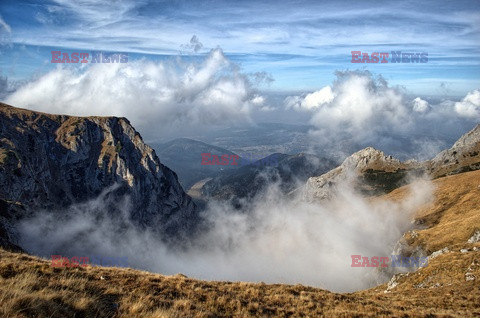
x=267, y=138
x=263, y=139
x=374, y=173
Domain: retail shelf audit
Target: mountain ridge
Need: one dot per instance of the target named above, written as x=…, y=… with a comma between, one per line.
x=50, y=162
x=372, y=172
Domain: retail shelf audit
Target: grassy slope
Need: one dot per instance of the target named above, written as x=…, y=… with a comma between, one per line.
x=30, y=287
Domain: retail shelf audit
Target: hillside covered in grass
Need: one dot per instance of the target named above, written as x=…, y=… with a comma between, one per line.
x=448, y=230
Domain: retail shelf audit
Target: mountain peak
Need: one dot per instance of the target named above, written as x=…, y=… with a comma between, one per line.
x=371, y=158
x=49, y=162
x=373, y=172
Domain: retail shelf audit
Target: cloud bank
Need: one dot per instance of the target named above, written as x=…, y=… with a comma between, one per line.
x=469, y=107
x=157, y=97
x=279, y=240
x=360, y=109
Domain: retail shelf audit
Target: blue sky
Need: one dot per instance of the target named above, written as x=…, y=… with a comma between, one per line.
x=299, y=43
x=195, y=66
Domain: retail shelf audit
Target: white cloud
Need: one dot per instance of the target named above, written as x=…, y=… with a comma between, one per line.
x=311, y=101
x=279, y=240
x=356, y=101
x=470, y=105
x=420, y=105
x=158, y=97
x=258, y=100
x=361, y=110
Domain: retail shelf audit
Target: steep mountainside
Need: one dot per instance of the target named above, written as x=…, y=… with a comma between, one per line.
x=9, y=212
x=49, y=162
x=184, y=156
x=463, y=156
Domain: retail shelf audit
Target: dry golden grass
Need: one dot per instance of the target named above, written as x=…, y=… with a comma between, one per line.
x=454, y=215
x=30, y=287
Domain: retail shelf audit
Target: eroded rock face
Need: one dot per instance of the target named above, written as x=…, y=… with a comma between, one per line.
x=52, y=161
x=463, y=156
x=8, y=234
x=369, y=171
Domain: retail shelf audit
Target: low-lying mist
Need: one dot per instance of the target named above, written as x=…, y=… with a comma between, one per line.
x=280, y=239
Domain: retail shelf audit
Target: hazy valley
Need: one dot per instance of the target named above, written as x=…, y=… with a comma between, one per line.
x=104, y=200
x=239, y=158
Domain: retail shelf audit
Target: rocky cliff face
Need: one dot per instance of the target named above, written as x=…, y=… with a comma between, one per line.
x=52, y=161
x=9, y=212
x=463, y=156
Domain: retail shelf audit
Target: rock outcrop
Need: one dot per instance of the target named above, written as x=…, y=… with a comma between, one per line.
x=463, y=156
x=369, y=170
x=49, y=162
